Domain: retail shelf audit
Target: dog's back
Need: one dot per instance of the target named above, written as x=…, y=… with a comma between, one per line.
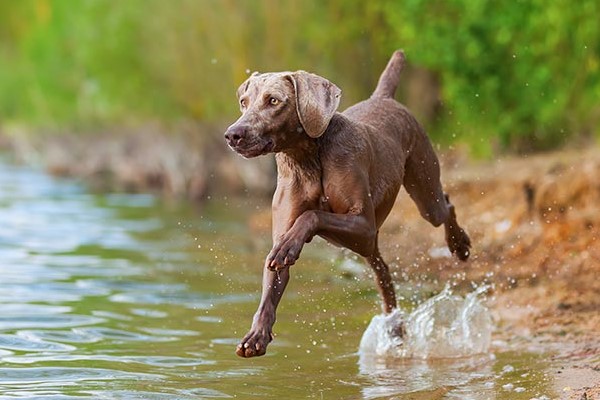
x=397, y=142
x=385, y=117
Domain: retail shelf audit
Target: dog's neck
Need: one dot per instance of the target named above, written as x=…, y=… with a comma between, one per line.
x=300, y=163
x=304, y=159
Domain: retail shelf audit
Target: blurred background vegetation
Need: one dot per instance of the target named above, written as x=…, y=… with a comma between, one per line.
x=492, y=75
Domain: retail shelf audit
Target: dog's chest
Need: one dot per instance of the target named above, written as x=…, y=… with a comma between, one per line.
x=314, y=198
x=323, y=203
x=300, y=195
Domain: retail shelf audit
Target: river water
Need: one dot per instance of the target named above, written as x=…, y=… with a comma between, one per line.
x=119, y=296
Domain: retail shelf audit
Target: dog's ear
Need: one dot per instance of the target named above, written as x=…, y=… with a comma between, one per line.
x=316, y=101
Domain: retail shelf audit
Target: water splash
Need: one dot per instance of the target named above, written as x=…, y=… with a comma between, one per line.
x=445, y=326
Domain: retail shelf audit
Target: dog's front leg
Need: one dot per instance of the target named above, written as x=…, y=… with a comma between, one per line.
x=285, y=214
x=261, y=333
x=356, y=232
x=287, y=248
x=288, y=243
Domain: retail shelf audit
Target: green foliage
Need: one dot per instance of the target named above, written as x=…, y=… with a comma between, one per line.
x=524, y=73
x=514, y=75
x=75, y=62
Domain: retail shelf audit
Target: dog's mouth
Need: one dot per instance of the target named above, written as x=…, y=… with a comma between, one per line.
x=254, y=149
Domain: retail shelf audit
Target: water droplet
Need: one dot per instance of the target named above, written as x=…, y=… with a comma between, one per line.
x=508, y=368
x=508, y=386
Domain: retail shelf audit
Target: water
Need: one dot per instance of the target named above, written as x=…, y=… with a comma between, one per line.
x=444, y=326
x=121, y=296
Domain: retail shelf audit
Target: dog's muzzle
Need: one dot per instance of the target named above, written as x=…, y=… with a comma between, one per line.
x=248, y=145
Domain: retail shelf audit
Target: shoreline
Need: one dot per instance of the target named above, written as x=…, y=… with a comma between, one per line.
x=190, y=162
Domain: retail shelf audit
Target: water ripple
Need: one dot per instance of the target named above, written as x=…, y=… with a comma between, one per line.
x=158, y=361
x=69, y=336
x=118, y=335
x=42, y=375
x=16, y=342
x=46, y=321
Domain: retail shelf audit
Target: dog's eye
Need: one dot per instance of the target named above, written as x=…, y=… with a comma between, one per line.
x=273, y=101
x=243, y=103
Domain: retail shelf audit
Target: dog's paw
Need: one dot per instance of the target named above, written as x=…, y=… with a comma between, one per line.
x=459, y=243
x=254, y=344
x=285, y=253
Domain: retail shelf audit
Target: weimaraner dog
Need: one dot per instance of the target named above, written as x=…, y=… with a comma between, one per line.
x=338, y=175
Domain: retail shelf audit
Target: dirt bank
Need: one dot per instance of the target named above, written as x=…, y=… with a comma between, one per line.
x=535, y=227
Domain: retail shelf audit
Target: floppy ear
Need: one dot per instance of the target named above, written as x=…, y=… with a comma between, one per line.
x=316, y=101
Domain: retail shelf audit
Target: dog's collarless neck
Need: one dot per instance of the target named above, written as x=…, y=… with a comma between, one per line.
x=300, y=165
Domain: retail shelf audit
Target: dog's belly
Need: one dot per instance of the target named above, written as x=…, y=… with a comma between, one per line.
x=332, y=240
x=385, y=204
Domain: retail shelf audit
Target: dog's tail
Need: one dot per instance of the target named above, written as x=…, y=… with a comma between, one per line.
x=388, y=81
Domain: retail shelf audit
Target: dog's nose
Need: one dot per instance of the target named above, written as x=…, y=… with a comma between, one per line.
x=235, y=134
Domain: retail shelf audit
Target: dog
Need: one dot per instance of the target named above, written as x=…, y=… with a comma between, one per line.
x=338, y=175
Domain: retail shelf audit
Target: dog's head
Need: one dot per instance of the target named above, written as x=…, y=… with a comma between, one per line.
x=279, y=107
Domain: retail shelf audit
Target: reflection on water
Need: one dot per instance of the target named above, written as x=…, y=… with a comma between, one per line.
x=121, y=296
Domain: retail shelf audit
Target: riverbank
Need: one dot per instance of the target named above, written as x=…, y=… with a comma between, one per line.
x=535, y=227
x=187, y=161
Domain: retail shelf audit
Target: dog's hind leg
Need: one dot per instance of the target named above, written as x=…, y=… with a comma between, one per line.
x=422, y=182
x=383, y=279
x=456, y=237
